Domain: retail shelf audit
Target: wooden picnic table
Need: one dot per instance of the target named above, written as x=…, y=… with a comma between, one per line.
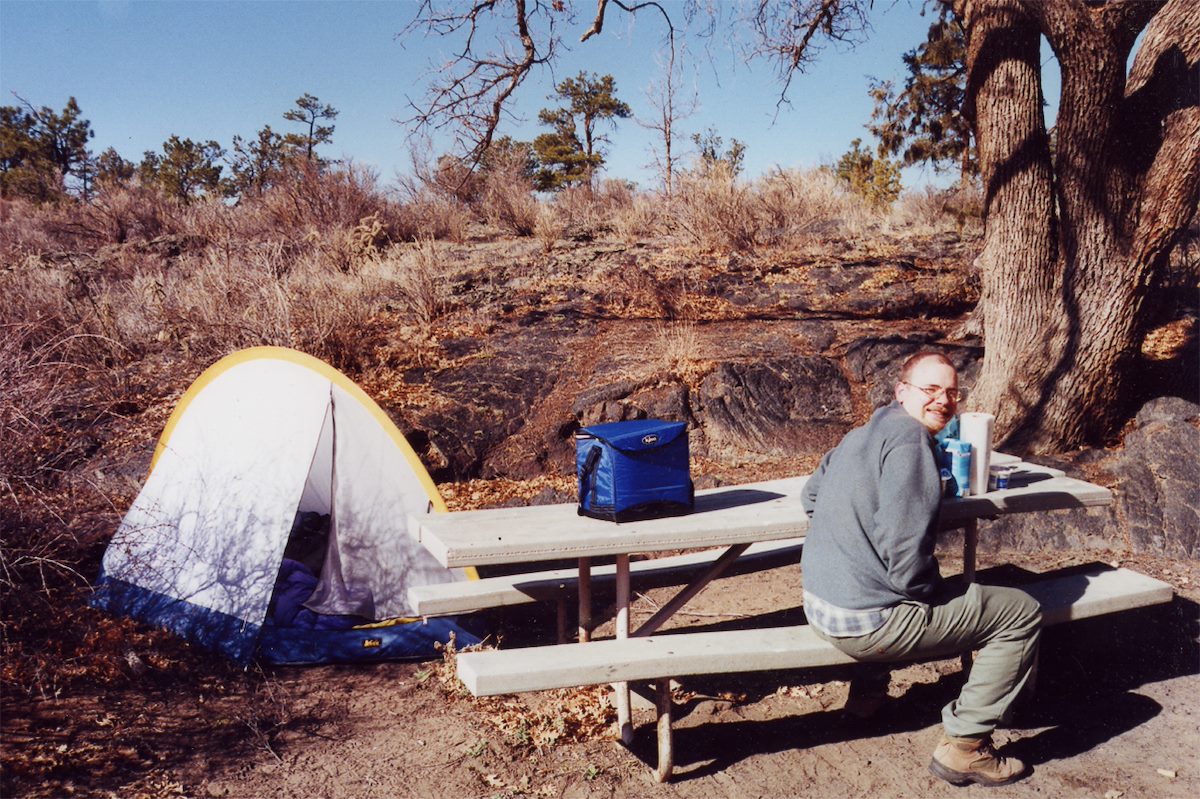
x=730, y=516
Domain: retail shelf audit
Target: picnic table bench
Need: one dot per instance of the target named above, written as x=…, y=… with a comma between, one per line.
x=736, y=517
x=659, y=658
x=560, y=586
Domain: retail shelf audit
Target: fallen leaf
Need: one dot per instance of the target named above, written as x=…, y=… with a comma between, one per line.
x=1113, y=794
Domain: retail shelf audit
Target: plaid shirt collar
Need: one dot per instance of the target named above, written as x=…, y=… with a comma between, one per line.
x=842, y=623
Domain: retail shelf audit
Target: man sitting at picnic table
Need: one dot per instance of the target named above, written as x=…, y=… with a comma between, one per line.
x=871, y=581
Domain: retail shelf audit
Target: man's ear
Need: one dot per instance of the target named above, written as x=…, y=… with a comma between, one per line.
x=896, y=391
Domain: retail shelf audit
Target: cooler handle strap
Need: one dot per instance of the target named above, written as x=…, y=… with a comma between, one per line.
x=587, y=475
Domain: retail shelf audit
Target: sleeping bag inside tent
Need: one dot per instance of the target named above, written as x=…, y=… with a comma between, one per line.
x=274, y=522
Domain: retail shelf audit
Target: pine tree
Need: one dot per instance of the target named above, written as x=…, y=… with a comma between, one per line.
x=40, y=149
x=572, y=153
x=185, y=170
x=113, y=170
x=257, y=165
x=874, y=177
x=924, y=123
x=709, y=146
x=309, y=112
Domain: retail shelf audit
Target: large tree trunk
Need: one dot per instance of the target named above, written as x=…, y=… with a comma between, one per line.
x=1020, y=284
x=1070, y=252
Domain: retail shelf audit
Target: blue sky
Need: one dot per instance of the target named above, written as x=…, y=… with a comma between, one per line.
x=143, y=70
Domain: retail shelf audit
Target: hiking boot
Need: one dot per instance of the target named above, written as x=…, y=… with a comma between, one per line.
x=960, y=761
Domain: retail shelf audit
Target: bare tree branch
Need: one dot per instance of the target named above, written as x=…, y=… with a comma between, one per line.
x=471, y=96
x=602, y=6
x=786, y=31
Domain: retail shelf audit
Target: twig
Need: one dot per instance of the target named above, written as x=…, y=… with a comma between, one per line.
x=694, y=613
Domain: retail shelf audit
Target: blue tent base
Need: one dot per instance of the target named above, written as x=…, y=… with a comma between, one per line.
x=236, y=638
x=416, y=640
x=210, y=629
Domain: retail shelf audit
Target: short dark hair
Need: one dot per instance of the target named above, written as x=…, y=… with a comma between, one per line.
x=906, y=369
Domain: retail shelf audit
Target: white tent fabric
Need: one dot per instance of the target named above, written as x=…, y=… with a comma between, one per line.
x=264, y=434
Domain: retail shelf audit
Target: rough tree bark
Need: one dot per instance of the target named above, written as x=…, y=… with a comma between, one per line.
x=1072, y=247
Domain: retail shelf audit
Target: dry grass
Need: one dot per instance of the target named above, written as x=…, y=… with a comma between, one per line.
x=719, y=213
x=640, y=220
x=715, y=211
x=932, y=210
x=419, y=279
x=680, y=351
x=507, y=200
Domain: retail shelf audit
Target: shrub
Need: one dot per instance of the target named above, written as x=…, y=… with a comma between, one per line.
x=640, y=219
x=33, y=387
x=53, y=398
x=417, y=275
x=932, y=209
x=550, y=227
x=714, y=210
x=793, y=205
x=321, y=200
x=580, y=211
x=433, y=215
x=22, y=231
x=508, y=203
x=588, y=212
x=215, y=304
x=114, y=217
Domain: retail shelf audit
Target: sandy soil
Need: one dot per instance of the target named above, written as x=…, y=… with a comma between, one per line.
x=1114, y=715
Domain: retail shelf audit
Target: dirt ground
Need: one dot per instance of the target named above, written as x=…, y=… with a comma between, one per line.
x=1115, y=714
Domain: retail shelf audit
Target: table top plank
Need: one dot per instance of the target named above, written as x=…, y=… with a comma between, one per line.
x=764, y=511
x=741, y=514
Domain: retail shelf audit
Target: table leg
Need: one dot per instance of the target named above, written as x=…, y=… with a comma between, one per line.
x=970, y=541
x=585, y=599
x=666, y=752
x=624, y=716
x=694, y=587
x=561, y=618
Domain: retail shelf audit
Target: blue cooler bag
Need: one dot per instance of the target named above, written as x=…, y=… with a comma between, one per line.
x=633, y=470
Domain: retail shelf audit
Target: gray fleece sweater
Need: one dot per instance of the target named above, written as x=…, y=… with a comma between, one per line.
x=873, y=508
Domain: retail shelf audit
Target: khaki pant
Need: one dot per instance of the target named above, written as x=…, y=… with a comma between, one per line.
x=1004, y=624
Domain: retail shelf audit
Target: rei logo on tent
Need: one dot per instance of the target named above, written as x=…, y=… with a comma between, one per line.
x=650, y=440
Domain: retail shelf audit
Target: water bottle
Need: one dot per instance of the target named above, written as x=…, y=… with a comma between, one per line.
x=959, y=455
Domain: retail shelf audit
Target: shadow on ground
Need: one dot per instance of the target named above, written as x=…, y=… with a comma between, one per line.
x=1085, y=695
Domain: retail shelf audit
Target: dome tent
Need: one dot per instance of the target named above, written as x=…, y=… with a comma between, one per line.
x=264, y=442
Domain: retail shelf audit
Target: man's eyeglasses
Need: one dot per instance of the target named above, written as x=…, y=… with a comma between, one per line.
x=933, y=392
